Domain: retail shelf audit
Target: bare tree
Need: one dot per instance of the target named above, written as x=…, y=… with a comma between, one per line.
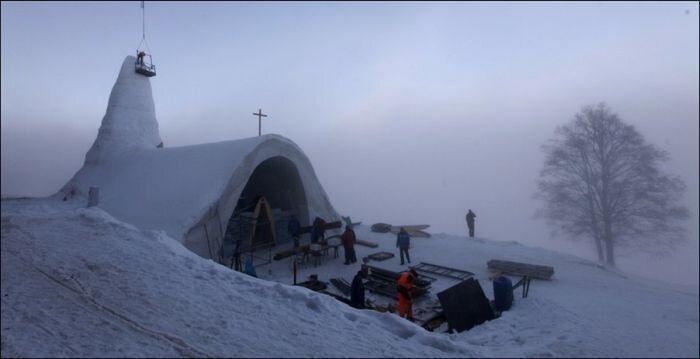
x=601, y=180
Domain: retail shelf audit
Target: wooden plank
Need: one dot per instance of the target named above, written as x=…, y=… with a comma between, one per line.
x=381, y=256
x=410, y=227
x=381, y=227
x=521, y=269
x=442, y=270
x=342, y=285
x=366, y=243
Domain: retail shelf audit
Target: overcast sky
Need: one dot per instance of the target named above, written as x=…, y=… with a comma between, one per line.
x=410, y=112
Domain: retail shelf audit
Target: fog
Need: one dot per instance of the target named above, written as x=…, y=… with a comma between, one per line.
x=411, y=113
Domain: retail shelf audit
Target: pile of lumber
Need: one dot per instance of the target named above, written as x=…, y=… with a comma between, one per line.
x=383, y=281
x=521, y=269
x=413, y=230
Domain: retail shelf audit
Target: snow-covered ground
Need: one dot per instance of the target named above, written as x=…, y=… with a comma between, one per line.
x=78, y=282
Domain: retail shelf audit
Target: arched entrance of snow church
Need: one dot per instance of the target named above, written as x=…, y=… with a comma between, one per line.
x=277, y=180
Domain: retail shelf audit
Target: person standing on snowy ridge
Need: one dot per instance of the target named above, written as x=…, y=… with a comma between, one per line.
x=470, y=222
x=403, y=242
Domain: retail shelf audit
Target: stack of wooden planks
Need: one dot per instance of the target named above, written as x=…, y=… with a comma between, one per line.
x=383, y=281
x=413, y=230
x=521, y=269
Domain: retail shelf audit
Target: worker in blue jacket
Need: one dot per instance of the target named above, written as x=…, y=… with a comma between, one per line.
x=403, y=242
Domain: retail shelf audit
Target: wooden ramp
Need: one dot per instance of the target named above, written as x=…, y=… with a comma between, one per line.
x=442, y=270
x=521, y=269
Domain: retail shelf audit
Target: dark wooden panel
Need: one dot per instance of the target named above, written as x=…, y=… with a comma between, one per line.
x=465, y=305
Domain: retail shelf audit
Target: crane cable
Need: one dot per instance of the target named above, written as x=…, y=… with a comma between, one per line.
x=143, y=14
x=143, y=18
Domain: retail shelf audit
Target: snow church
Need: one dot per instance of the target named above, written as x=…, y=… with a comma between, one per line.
x=205, y=195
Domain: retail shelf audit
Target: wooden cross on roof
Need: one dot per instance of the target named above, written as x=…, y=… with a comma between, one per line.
x=260, y=116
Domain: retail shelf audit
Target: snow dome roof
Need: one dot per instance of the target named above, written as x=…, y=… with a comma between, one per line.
x=173, y=189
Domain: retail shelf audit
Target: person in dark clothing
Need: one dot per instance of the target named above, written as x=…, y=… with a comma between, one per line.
x=293, y=229
x=403, y=242
x=317, y=230
x=357, y=294
x=250, y=267
x=139, y=58
x=470, y=222
x=348, y=240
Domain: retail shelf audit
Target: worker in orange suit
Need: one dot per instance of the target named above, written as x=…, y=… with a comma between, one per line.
x=405, y=293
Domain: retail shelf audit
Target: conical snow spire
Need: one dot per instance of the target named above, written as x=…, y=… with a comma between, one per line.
x=130, y=122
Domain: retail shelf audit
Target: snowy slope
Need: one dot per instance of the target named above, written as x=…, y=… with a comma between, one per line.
x=77, y=282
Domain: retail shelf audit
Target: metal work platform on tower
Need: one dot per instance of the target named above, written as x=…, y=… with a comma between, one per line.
x=144, y=62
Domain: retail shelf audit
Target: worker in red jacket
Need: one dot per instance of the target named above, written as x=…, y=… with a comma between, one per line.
x=405, y=293
x=348, y=240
